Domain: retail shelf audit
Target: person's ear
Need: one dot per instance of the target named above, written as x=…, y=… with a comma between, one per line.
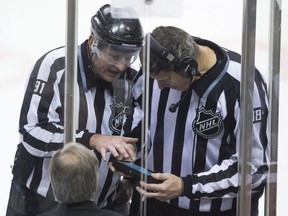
x=91, y=40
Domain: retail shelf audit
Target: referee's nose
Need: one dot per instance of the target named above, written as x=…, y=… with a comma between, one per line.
x=122, y=66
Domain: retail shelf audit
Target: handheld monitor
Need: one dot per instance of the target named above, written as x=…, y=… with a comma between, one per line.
x=133, y=170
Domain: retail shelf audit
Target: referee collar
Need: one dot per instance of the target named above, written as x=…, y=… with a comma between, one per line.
x=87, y=76
x=203, y=85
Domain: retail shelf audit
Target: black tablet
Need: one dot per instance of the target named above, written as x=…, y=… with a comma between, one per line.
x=134, y=170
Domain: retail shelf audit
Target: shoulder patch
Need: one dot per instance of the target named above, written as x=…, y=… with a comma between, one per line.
x=207, y=124
x=117, y=116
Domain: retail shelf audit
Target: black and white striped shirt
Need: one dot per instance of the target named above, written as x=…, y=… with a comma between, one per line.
x=41, y=123
x=200, y=141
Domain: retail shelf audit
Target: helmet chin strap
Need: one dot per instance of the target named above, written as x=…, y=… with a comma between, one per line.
x=90, y=55
x=90, y=60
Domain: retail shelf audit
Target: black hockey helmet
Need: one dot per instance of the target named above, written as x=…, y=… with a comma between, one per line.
x=124, y=32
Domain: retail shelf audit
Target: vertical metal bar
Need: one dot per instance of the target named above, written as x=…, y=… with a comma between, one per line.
x=246, y=102
x=145, y=121
x=70, y=70
x=274, y=73
x=145, y=107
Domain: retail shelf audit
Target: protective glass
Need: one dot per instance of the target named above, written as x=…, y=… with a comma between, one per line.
x=115, y=54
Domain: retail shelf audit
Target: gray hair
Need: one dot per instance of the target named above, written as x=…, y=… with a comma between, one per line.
x=74, y=173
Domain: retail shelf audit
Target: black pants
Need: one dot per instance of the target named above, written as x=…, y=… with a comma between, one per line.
x=23, y=201
x=156, y=207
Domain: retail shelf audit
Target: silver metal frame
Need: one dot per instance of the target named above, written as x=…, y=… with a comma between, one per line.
x=145, y=122
x=246, y=101
x=274, y=72
x=70, y=70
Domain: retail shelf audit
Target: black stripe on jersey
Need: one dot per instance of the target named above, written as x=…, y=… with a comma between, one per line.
x=179, y=140
x=263, y=136
x=99, y=105
x=179, y=135
x=36, y=179
x=60, y=110
x=106, y=187
x=194, y=205
x=129, y=119
x=216, y=205
x=23, y=164
x=158, y=139
x=231, y=95
x=200, y=155
x=83, y=110
x=50, y=191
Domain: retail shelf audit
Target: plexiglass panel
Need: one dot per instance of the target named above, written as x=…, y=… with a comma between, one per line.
x=30, y=29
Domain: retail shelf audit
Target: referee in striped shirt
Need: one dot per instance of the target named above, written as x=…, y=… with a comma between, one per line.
x=103, y=60
x=194, y=128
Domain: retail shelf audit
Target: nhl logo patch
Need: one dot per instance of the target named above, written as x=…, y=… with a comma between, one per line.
x=207, y=124
x=117, y=116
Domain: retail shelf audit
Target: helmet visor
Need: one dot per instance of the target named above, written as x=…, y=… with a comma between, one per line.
x=115, y=54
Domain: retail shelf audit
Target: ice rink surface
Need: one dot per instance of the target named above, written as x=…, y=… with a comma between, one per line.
x=30, y=28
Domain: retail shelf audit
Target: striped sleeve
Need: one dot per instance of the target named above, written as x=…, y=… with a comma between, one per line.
x=41, y=124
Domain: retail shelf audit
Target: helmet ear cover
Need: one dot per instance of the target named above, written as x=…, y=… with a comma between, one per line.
x=118, y=31
x=186, y=63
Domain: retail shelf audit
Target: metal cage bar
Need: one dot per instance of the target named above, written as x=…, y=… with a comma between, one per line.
x=246, y=101
x=70, y=70
x=274, y=73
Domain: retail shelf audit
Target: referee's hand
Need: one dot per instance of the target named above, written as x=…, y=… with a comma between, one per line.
x=170, y=188
x=120, y=147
